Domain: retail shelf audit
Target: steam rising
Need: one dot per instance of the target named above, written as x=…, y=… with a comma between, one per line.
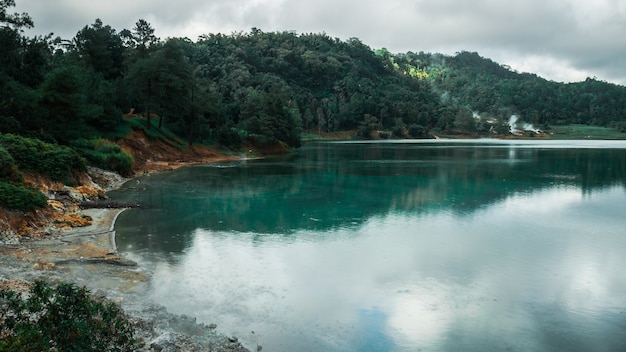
x=519, y=130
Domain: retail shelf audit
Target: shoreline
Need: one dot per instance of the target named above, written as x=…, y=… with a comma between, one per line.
x=112, y=231
x=87, y=256
x=103, y=222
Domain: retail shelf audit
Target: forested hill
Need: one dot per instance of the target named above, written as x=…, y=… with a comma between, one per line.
x=267, y=87
x=495, y=90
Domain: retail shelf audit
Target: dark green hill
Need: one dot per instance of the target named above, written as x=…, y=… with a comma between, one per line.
x=495, y=91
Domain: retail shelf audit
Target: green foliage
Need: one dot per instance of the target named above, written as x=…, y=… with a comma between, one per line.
x=65, y=101
x=231, y=137
x=14, y=196
x=7, y=163
x=468, y=81
x=101, y=48
x=105, y=154
x=160, y=83
x=62, y=318
x=141, y=38
x=417, y=131
x=367, y=127
x=398, y=131
x=56, y=161
x=270, y=85
x=14, y=20
x=122, y=129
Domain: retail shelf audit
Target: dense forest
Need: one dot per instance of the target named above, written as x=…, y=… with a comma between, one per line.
x=63, y=97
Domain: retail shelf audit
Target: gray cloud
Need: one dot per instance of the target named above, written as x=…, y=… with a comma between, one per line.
x=559, y=39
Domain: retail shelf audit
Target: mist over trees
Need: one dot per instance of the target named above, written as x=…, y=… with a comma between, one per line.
x=267, y=87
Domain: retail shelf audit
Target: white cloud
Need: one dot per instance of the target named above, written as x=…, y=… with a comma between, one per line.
x=545, y=66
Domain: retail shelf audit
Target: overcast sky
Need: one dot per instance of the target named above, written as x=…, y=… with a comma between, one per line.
x=561, y=40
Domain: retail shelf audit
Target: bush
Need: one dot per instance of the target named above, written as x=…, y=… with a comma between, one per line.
x=397, y=131
x=364, y=132
x=19, y=197
x=105, y=155
x=417, y=131
x=7, y=163
x=62, y=318
x=367, y=127
x=56, y=161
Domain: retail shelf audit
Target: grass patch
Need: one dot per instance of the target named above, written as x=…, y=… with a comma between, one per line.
x=584, y=132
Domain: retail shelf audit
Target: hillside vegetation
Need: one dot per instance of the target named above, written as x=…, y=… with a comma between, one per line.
x=63, y=99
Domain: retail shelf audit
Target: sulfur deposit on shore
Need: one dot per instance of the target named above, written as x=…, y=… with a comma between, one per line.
x=64, y=242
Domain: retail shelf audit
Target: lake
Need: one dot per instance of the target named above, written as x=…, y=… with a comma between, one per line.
x=481, y=245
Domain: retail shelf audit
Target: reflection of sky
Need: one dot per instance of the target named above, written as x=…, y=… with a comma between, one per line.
x=533, y=272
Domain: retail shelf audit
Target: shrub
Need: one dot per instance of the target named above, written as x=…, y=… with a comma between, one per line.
x=397, y=131
x=105, y=155
x=364, y=132
x=62, y=318
x=7, y=163
x=417, y=131
x=56, y=161
x=367, y=126
x=19, y=197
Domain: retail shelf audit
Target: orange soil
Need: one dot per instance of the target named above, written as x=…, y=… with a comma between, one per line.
x=157, y=155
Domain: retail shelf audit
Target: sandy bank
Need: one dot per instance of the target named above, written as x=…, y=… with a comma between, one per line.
x=93, y=243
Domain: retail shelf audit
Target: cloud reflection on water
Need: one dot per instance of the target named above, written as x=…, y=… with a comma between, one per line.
x=436, y=281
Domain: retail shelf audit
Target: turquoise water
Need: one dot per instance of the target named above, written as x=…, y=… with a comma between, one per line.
x=397, y=246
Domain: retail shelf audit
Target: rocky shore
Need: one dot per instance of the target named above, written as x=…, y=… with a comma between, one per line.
x=73, y=240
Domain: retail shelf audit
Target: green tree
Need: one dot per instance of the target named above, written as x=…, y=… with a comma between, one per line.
x=13, y=20
x=161, y=83
x=101, y=48
x=143, y=35
x=23, y=63
x=141, y=40
x=66, y=105
x=465, y=121
x=417, y=131
x=368, y=126
x=172, y=79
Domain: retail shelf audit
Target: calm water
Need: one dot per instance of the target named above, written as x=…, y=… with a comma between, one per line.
x=431, y=246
